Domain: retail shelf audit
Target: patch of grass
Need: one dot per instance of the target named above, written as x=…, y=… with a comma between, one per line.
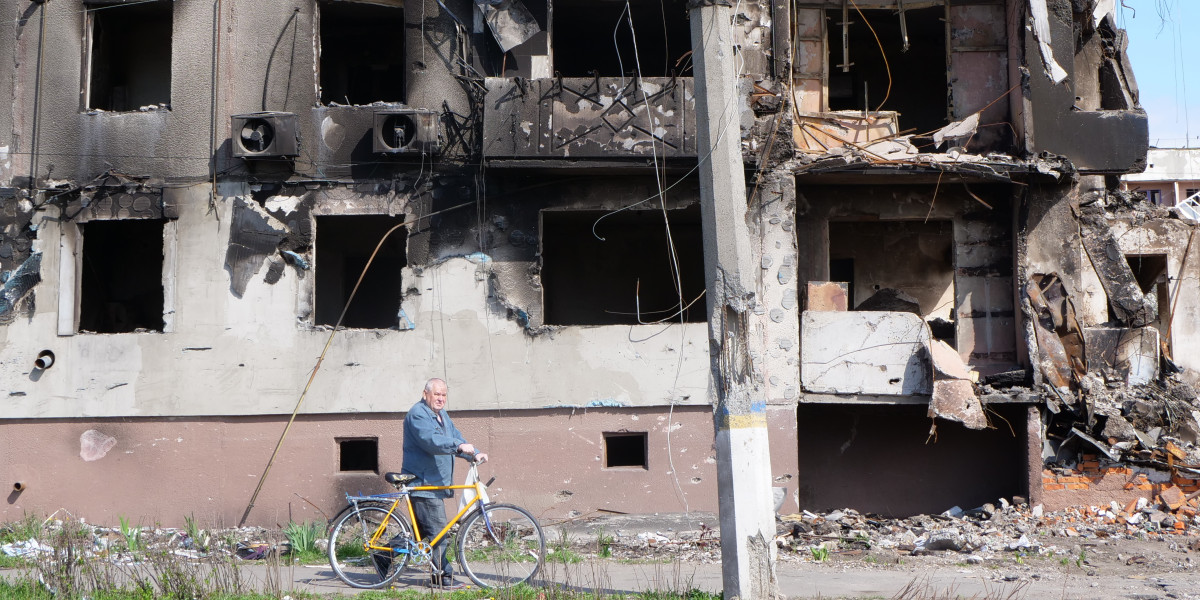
x=24, y=589
x=560, y=550
x=819, y=553
x=19, y=531
x=692, y=594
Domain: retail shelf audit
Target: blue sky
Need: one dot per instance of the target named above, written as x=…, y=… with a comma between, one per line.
x=1165, y=51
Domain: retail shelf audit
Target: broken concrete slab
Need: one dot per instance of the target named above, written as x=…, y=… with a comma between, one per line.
x=947, y=364
x=1132, y=353
x=955, y=400
x=858, y=352
x=1125, y=296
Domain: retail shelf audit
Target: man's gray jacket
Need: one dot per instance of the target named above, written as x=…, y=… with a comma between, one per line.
x=429, y=449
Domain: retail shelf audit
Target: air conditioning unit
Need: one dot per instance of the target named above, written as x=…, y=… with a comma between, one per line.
x=265, y=135
x=406, y=131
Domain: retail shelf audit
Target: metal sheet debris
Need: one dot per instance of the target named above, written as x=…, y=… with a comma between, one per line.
x=1060, y=340
x=958, y=130
x=511, y=23
x=19, y=282
x=252, y=238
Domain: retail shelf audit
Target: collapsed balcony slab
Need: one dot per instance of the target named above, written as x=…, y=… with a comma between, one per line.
x=865, y=353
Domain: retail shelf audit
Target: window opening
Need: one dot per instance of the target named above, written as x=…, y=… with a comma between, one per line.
x=129, y=63
x=121, y=289
x=343, y=245
x=842, y=269
x=358, y=455
x=1187, y=194
x=1154, y=196
x=1150, y=270
x=583, y=37
x=914, y=258
x=919, y=91
x=586, y=281
x=362, y=53
x=624, y=449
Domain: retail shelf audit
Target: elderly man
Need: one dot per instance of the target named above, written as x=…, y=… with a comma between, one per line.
x=430, y=443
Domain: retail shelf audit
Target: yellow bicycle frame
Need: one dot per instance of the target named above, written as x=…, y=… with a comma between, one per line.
x=373, y=544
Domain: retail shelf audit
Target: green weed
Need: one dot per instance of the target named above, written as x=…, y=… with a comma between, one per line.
x=302, y=541
x=605, y=542
x=819, y=553
x=132, y=535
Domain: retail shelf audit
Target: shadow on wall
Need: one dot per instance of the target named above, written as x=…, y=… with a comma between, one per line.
x=877, y=459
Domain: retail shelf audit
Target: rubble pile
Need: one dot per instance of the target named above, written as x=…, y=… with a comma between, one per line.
x=992, y=531
x=127, y=544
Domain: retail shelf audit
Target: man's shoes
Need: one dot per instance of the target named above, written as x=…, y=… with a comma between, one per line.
x=446, y=583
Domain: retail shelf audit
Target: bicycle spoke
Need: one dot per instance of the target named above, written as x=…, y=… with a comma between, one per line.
x=501, y=546
x=349, y=555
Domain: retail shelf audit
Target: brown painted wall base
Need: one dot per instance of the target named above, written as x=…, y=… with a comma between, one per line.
x=551, y=461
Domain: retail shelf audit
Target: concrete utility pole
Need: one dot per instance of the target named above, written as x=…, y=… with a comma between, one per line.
x=740, y=417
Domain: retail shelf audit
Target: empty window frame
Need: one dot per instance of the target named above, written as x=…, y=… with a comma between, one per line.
x=362, y=52
x=918, y=89
x=625, y=449
x=121, y=284
x=343, y=245
x=913, y=257
x=1154, y=196
x=358, y=455
x=584, y=44
x=1150, y=271
x=627, y=278
x=128, y=57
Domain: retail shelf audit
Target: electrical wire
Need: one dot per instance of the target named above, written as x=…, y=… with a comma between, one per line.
x=882, y=53
x=329, y=342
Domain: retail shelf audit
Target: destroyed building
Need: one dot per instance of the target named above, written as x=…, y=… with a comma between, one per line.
x=191, y=191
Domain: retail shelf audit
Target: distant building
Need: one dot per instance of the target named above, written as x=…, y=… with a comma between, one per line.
x=1172, y=175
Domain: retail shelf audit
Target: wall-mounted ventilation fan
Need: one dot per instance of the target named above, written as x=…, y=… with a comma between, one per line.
x=265, y=135
x=406, y=130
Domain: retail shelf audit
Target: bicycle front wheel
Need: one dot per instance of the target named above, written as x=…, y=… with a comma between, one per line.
x=501, y=546
x=349, y=555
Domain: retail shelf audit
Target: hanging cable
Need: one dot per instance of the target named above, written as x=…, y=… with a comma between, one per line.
x=321, y=358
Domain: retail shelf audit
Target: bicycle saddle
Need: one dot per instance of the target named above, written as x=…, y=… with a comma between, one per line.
x=399, y=478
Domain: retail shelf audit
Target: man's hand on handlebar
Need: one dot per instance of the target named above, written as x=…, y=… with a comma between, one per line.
x=473, y=453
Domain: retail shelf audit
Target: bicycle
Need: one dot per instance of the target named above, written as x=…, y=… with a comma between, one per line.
x=497, y=545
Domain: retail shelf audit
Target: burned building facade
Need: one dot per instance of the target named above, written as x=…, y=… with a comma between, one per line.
x=192, y=191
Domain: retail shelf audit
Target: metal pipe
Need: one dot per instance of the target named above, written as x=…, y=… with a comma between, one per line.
x=18, y=487
x=45, y=360
x=37, y=103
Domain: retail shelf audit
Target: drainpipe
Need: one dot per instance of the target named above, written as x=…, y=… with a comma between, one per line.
x=37, y=103
x=744, y=495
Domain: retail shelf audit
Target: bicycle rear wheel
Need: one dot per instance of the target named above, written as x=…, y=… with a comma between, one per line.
x=501, y=546
x=348, y=554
